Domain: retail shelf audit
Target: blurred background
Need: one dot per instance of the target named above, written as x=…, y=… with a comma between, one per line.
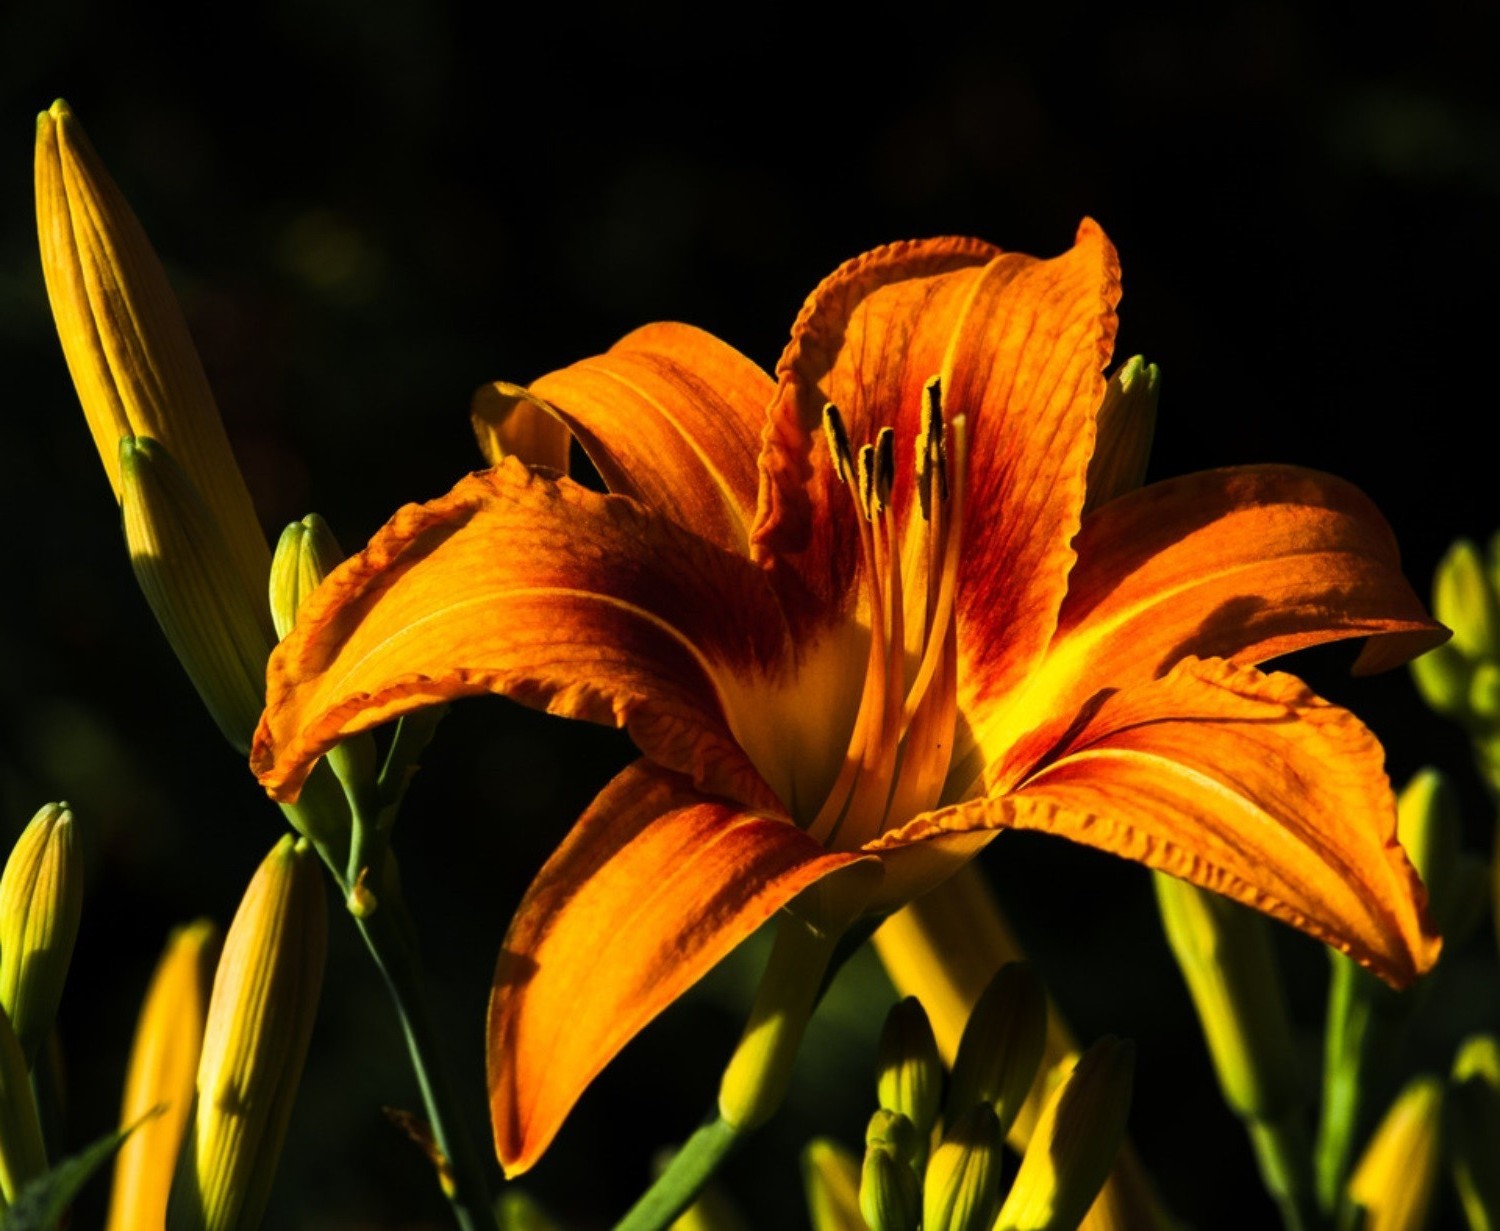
x=369, y=209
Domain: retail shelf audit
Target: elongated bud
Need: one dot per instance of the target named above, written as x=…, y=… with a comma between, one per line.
x=1464, y=600
x=260, y=1020
x=41, y=900
x=890, y=1195
x=1126, y=423
x=962, y=1188
x=1075, y=1143
x=830, y=1178
x=1224, y=952
x=1430, y=827
x=1444, y=676
x=1002, y=1045
x=910, y=1072
x=132, y=361
x=162, y=1074
x=22, y=1155
x=1395, y=1179
x=220, y=630
x=305, y=554
x=1473, y=1126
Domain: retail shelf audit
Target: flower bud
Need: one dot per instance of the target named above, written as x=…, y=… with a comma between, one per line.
x=1396, y=1178
x=125, y=339
x=1429, y=827
x=162, y=1073
x=1224, y=952
x=219, y=629
x=1473, y=1124
x=41, y=899
x=962, y=1189
x=893, y=1132
x=1126, y=423
x=1075, y=1143
x=517, y=1210
x=305, y=554
x=830, y=1178
x=890, y=1195
x=1444, y=677
x=910, y=1072
x=1464, y=600
x=22, y=1155
x=1002, y=1045
x=260, y=1020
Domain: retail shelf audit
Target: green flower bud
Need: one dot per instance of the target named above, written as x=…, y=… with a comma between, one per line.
x=830, y=1178
x=890, y=1195
x=1429, y=828
x=260, y=1019
x=41, y=899
x=305, y=554
x=22, y=1155
x=1444, y=677
x=1464, y=599
x=1077, y=1137
x=1395, y=1180
x=1473, y=1123
x=1224, y=952
x=962, y=1190
x=910, y=1071
x=219, y=629
x=1126, y=423
x=1002, y=1045
x=896, y=1134
x=1484, y=692
x=517, y=1210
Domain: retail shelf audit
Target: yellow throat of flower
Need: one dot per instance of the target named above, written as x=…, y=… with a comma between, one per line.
x=902, y=739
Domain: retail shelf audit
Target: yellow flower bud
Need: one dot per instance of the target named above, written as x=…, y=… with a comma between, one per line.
x=1074, y=1144
x=830, y=1177
x=890, y=1195
x=260, y=1019
x=517, y=1210
x=1224, y=952
x=1126, y=423
x=1463, y=599
x=41, y=899
x=909, y=1070
x=162, y=1074
x=127, y=345
x=1474, y=1130
x=1444, y=677
x=962, y=1189
x=220, y=631
x=22, y=1155
x=893, y=1132
x=305, y=554
x=1002, y=1045
x=1395, y=1179
x=1429, y=827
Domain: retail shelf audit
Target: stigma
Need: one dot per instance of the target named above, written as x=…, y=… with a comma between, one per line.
x=902, y=740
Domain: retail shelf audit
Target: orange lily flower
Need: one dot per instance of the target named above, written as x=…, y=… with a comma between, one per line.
x=853, y=613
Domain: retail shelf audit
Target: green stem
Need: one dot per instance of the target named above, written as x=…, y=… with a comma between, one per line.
x=677, y=1187
x=1281, y=1151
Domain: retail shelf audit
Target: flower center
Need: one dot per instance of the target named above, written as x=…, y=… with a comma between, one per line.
x=902, y=739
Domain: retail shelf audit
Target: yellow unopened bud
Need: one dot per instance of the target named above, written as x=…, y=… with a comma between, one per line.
x=1395, y=1179
x=41, y=899
x=260, y=1020
x=1474, y=1130
x=1224, y=952
x=1444, y=677
x=219, y=629
x=1464, y=600
x=962, y=1188
x=133, y=363
x=1126, y=423
x=162, y=1074
x=890, y=1195
x=517, y=1210
x=711, y=1211
x=22, y=1155
x=909, y=1070
x=305, y=554
x=1002, y=1045
x=830, y=1178
x=1429, y=827
x=893, y=1132
x=1074, y=1144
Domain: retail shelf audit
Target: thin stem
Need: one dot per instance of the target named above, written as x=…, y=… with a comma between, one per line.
x=1281, y=1151
x=677, y=1187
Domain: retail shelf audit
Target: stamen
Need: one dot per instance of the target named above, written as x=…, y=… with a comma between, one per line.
x=838, y=442
x=865, y=467
x=885, y=468
x=930, y=453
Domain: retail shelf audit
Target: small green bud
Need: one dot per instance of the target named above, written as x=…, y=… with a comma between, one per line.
x=1484, y=692
x=1474, y=1130
x=517, y=1210
x=22, y=1155
x=305, y=554
x=260, y=1020
x=1075, y=1142
x=891, y=1131
x=1002, y=1045
x=220, y=631
x=1464, y=599
x=1224, y=952
x=1444, y=677
x=830, y=1177
x=910, y=1071
x=962, y=1190
x=1126, y=423
x=1429, y=828
x=890, y=1195
x=1395, y=1180
x=41, y=900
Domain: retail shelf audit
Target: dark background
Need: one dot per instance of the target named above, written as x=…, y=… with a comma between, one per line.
x=369, y=209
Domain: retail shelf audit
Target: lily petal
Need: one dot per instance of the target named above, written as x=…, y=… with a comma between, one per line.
x=1241, y=782
x=654, y=885
x=669, y=415
x=1247, y=563
x=517, y=583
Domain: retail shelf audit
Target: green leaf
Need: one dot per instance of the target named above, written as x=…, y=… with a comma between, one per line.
x=40, y=1205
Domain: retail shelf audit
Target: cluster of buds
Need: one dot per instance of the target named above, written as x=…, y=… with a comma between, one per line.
x=935, y=1161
